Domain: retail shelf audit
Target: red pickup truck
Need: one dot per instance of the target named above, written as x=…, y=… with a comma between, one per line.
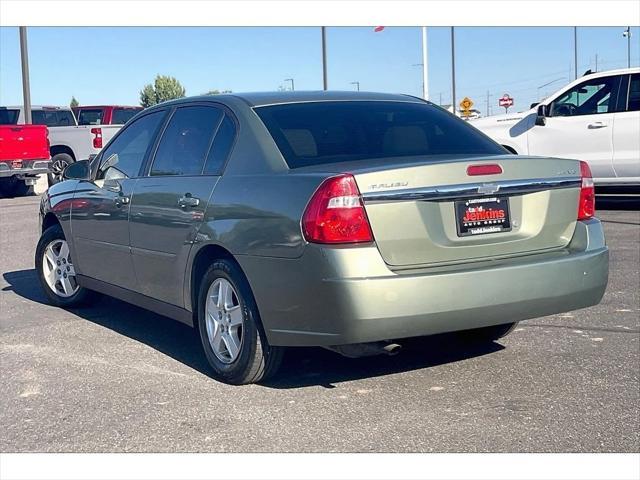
x=24, y=154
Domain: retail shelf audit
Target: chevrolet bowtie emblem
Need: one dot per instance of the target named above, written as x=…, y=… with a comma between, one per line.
x=488, y=188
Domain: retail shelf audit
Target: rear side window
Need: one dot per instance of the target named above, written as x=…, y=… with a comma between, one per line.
x=8, y=117
x=91, y=116
x=124, y=156
x=221, y=147
x=316, y=133
x=186, y=141
x=121, y=116
x=53, y=118
x=633, y=104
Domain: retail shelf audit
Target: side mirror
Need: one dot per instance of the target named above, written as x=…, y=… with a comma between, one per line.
x=80, y=170
x=541, y=119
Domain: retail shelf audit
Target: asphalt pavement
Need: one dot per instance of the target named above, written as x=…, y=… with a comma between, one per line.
x=116, y=378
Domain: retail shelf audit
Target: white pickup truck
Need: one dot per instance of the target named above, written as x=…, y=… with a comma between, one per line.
x=595, y=118
x=68, y=141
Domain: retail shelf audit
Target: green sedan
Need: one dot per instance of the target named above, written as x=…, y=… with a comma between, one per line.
x=344, y=220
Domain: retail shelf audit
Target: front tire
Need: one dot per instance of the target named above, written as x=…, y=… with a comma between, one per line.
x=229, y=328
x=56, y=271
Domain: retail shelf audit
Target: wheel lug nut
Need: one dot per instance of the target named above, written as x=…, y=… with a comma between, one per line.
x=68, y=268
x=64, y=275
x=58, y=262
x=59, y=271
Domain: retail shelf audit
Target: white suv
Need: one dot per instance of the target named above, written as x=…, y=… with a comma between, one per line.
x=595, y=118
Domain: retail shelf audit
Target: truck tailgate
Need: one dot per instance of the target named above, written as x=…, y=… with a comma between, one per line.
x=23, y=142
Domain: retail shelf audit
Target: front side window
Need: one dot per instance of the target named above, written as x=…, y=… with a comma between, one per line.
x=124, y=156
x=186, y=141
x=316, y=133
x=90, y=116
x=633, y=103
x=588, y=98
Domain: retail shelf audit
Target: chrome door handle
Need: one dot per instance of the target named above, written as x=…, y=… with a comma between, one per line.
x=594, y=125
x=188, y=201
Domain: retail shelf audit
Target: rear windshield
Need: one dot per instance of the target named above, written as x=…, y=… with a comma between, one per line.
x=8, y=117
x=316, y=133
x=90, y=116
x=123, y=115
x=53, y=118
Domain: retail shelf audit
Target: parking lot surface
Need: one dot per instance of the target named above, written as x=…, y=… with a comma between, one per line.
x=113, y=377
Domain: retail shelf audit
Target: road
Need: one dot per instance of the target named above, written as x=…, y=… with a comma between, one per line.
x=113, y=377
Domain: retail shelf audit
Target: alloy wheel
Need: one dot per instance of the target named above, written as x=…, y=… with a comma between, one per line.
x=224, y=320
x=58, y=269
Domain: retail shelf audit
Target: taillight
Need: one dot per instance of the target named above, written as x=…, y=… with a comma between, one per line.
x=46, y=135
x=487, y=169
x=97, y=139
x=587, y=202
x=335, y=213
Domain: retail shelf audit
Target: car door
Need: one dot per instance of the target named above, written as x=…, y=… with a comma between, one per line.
x=626, y=139
x=579, y=125
x=169, y=203
x=99, y=219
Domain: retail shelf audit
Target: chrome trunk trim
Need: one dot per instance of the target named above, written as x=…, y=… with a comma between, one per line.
x=472, y=190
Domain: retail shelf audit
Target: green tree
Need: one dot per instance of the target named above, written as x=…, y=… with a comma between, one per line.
x=74, y=103
x=163, y=88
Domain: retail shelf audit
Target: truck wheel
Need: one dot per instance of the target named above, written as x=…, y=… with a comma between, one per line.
x=56, y=271
x=229, y=330
x=14, y=187
x=58, y=164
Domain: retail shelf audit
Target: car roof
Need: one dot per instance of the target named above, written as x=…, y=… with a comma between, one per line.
x=260, y=99
x=38, y=107
x=108, y=106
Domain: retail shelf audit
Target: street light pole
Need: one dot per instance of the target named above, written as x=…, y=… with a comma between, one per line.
x=290, y=80
x=453, y=72
x=575, y=51
x=26, y=91
x=324, y=58
x=357, y=84
x=627, y=33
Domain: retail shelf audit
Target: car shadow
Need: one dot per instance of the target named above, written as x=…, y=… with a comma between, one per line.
x=302, y=367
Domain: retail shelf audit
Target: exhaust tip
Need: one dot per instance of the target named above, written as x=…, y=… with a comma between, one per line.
x=392, y=349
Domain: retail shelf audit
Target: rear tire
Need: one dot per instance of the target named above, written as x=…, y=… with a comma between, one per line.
x=14, y=187
x=56, y=270
x=58, y=163
x=236, y=348
x=487, y=334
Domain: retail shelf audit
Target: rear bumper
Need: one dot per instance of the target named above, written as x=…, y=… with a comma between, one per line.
x=340, y=296
x=28, y=168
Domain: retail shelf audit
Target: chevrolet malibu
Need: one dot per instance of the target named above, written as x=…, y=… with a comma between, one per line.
x=343, y=220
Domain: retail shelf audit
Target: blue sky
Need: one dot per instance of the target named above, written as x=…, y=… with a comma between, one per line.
x=111, y=64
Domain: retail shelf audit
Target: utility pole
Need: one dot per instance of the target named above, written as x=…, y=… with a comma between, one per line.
x=596, y=62
x=440, y=102
x=627, y=33
x=488, y=104
x=26, y=91
x=425, y=65
x=453, y=72
x=324, y=58
x=575, y=51
x=357, y=84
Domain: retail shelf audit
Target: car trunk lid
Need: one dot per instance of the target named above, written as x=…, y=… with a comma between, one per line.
x=412, y=208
